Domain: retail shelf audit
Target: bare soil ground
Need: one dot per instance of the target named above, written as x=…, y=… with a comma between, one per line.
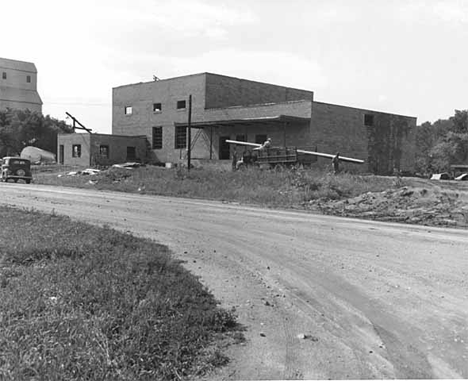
x=320, y=296
x=420, y=201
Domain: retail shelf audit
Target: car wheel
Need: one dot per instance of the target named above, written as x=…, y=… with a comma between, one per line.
x=28, y=181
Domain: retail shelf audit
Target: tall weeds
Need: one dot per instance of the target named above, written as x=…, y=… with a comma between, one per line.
x=288, y=188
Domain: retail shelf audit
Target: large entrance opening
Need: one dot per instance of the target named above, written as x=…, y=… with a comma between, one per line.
x=224, y=148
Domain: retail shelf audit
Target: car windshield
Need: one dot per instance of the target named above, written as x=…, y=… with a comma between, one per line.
x=18, y=162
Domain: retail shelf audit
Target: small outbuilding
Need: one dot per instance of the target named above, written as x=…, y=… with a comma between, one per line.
x=84, y=149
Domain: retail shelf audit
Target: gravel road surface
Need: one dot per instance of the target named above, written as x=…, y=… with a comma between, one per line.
x=319, y=296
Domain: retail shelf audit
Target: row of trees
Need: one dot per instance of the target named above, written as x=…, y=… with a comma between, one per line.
x=442, y=143
x=19, y=129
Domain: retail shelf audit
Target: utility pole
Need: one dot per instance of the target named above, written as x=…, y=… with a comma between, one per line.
x=189, y=138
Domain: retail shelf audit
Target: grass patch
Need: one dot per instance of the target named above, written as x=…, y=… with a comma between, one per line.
x=87, y=303
x=262, y=187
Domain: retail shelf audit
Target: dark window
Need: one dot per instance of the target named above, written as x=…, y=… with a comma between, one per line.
x=128, y=110
x=260, y=139
x=368, y=120
x=76, y=150
x=131, y=153
x=180, y=137
x=241, y=138
x=28, y=79
x=181, y=105
x=4, y=76
x=157, y=138
x=157, y=107
x=104, y=151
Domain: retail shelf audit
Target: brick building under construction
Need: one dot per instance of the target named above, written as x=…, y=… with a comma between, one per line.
x=231, y=108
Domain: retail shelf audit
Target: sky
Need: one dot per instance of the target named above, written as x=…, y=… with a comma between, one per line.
x=407, y=57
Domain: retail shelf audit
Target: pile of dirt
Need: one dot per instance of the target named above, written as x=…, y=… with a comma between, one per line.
x=417, y=205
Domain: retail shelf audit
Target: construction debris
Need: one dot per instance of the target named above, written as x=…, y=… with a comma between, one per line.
x=415, y=205
x=84, y=172
x=129, y=165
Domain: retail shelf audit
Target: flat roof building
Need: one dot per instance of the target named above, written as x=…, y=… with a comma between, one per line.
x=226, y=108
x=83, y=149
x=18, y=85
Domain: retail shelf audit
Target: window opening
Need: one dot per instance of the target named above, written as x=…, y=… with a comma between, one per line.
x=368, y=120
x=104, y=151
x=157, y=138
x=128, y=110
x=181, y=105
x=76, y=150
x=157, y=107
x=180, y=137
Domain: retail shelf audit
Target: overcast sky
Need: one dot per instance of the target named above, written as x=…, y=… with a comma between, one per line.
x=399, y=56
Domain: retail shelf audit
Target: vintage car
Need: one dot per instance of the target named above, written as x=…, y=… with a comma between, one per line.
x=15, y=168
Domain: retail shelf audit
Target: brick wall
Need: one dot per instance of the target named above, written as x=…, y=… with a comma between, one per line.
x=68, y=141
x=117, y=148
x=141, y=98
x=391, y=144
x=294, y=108
x=387, y=144
x=223, y=91
x=90, y=148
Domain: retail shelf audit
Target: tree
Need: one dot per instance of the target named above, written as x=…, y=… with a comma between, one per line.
x=428, y=135
x=19, y=129
x=460, y=122
x=443, y=143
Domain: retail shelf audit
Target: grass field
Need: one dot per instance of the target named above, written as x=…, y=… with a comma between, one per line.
x=85, y=303
x=253, y=186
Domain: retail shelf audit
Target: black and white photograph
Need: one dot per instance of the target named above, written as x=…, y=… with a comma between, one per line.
x=233, y=190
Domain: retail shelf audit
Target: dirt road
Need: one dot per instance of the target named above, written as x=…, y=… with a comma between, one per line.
x=321, y=297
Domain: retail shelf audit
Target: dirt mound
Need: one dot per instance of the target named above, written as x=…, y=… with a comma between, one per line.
x=418, y=205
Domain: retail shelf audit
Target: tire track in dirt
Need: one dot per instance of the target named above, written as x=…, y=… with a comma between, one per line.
x=381, y=300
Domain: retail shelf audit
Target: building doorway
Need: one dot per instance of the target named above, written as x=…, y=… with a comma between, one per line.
x=224, y=148
x=260, y=139
x=131, y=153
x=61, y=154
